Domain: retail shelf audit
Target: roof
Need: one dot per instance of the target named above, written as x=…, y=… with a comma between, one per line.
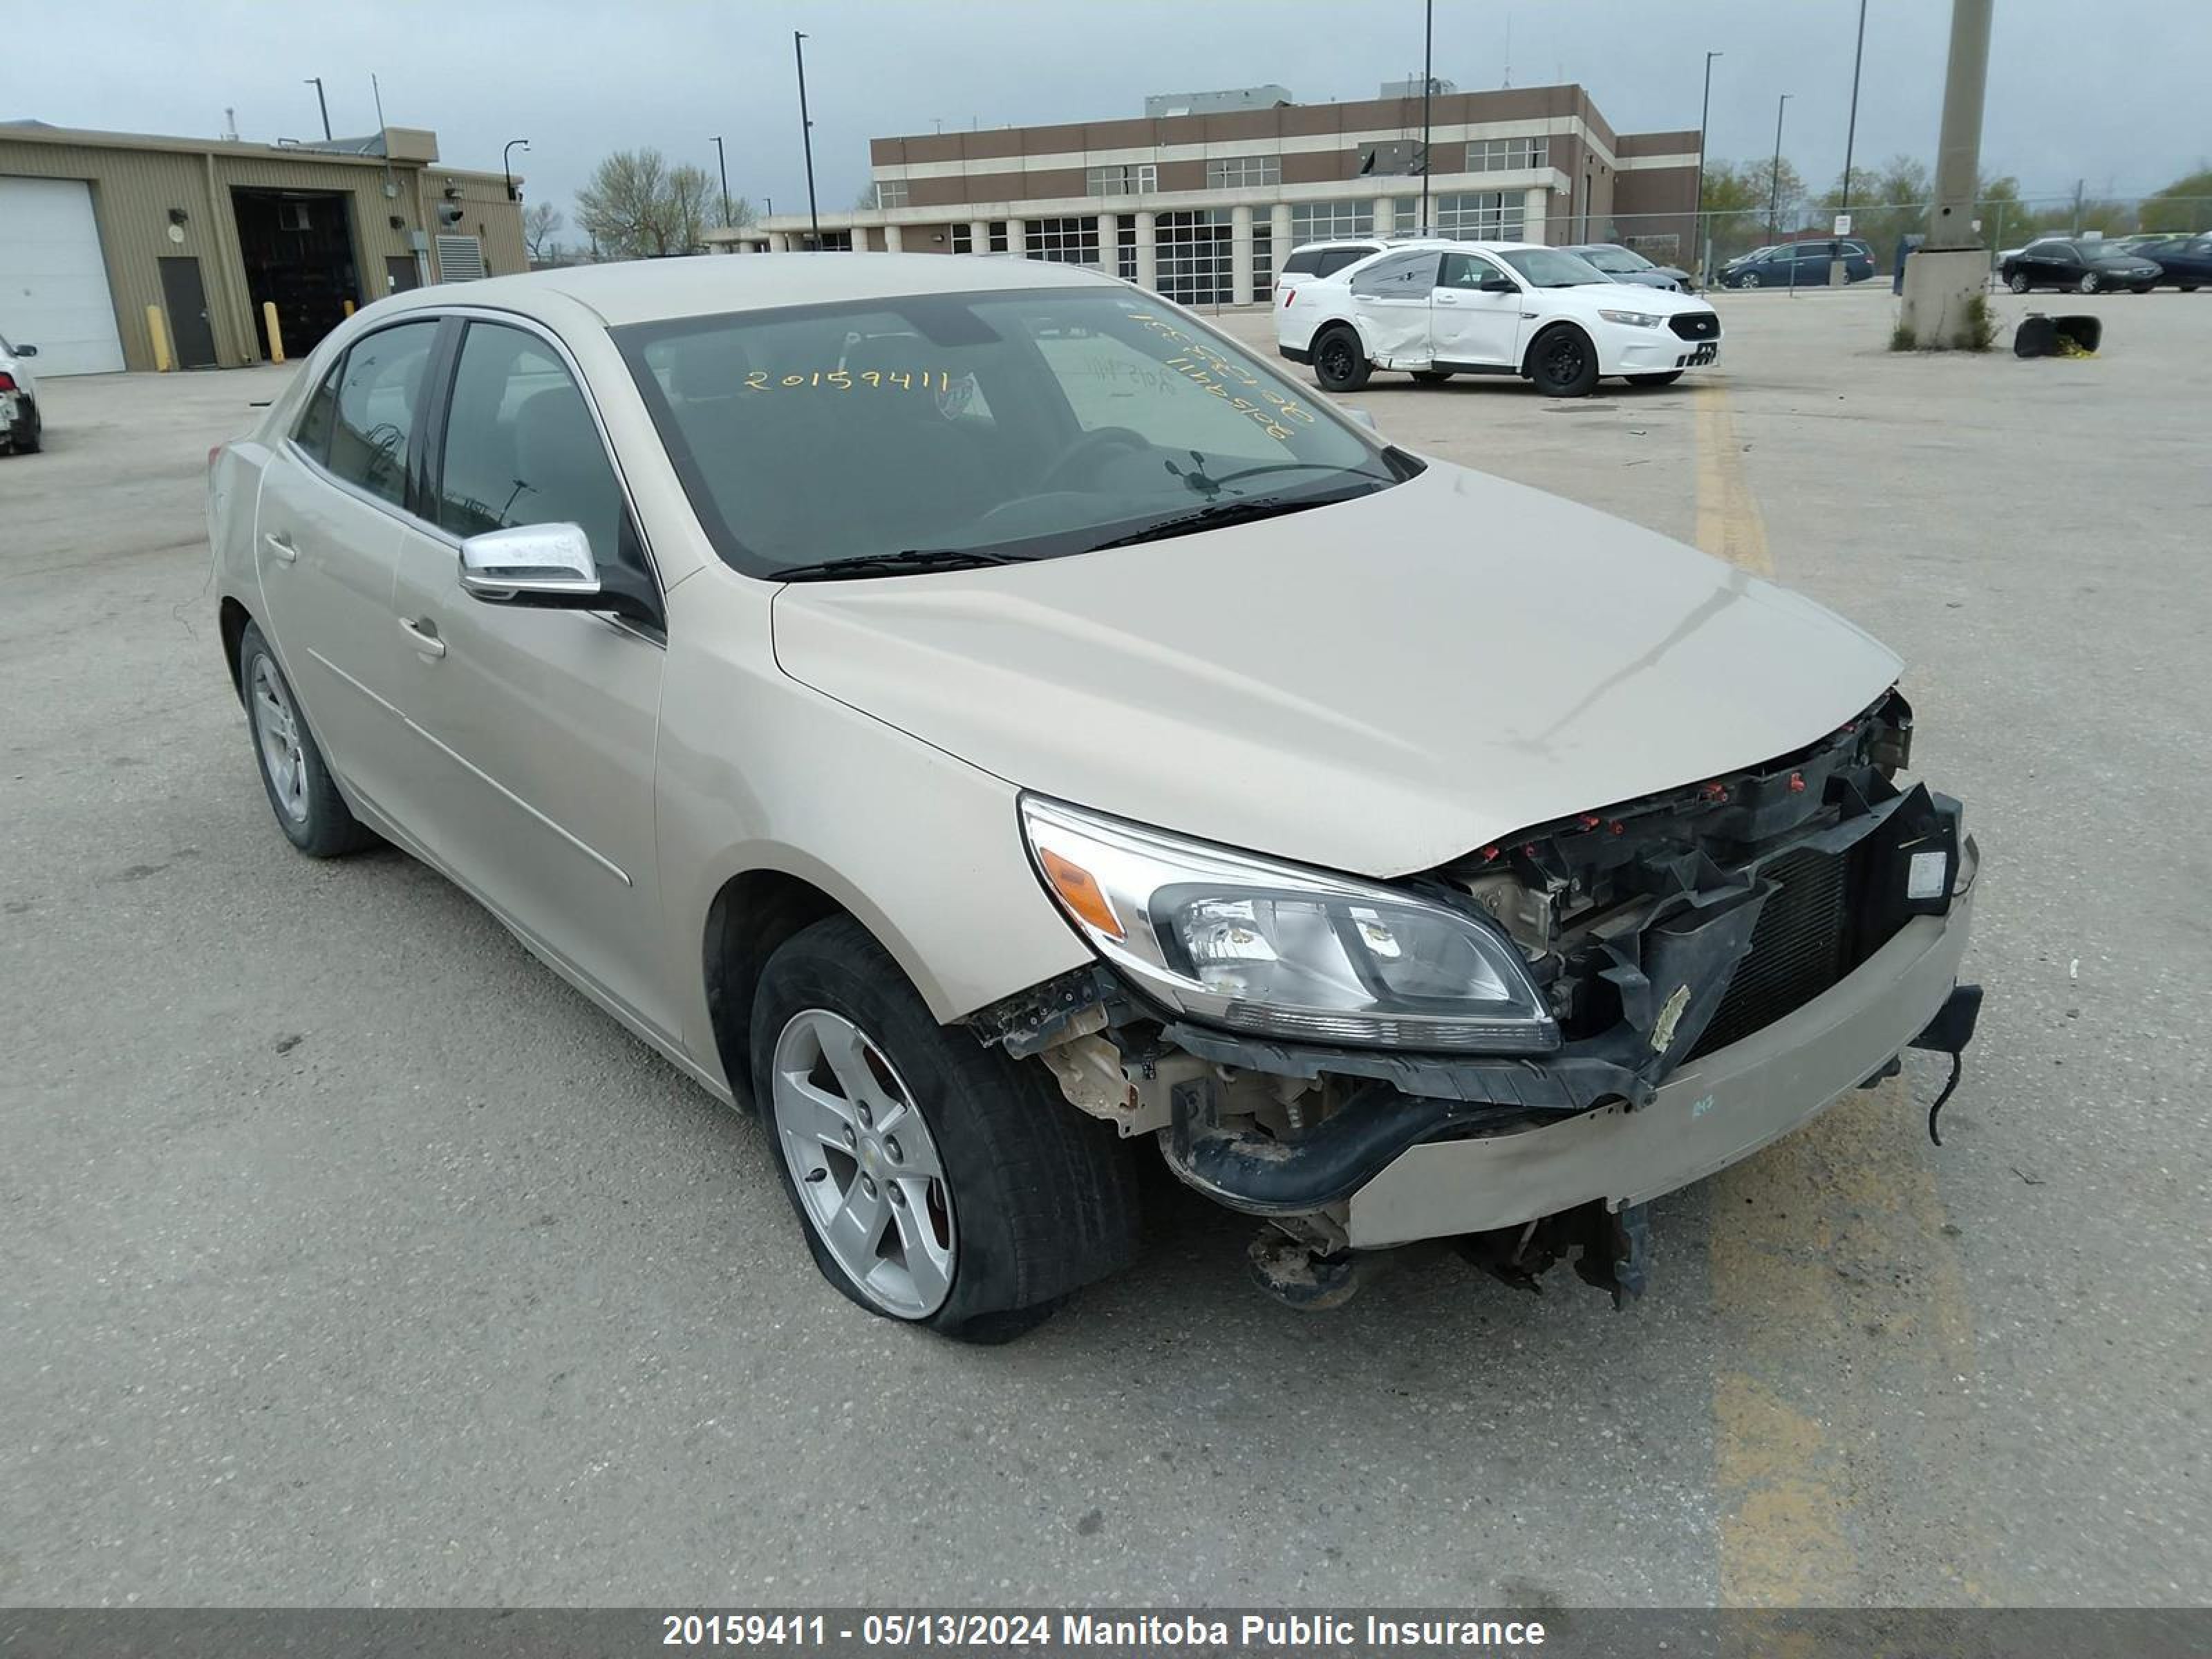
x=651, y=290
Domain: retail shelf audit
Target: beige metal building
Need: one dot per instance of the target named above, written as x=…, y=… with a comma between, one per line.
x=1200, y=198
x=96, y=228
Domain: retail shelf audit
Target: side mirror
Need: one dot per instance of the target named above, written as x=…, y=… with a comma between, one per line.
x=549, y=566
x=27, y=351
x=1495, y=283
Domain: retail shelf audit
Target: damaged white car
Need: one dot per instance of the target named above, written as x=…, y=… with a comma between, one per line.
x=989, y=722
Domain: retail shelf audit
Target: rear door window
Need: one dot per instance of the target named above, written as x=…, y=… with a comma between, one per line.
x=1299, y=263
x=1411, y=275
x=313, y=432
x=372, y=437
x=1336, y=258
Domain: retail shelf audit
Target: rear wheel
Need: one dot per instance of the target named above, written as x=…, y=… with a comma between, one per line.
x=309, y=809
x=1432, y=376
x=937, y=1181
x=1563, y=362
x=1338, y=363
x=1666, y=379
x=26, y=437
x=2141, y=288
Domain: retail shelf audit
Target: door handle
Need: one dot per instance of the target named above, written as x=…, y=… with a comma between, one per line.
x=281, y=544
x=1446, y=298
x=423, y=634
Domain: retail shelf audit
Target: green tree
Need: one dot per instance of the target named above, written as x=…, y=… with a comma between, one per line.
x=2185, y=204
x=1887, y=203
x=1739, y=204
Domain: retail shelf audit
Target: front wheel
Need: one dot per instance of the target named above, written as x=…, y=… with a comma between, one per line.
x=1749, y=279
x=26, y=438
x=2018, y=283
x=937, y=1181
x=309, y=809
x=1563, y=362
x=2088, y=284
x=1666, y=379
x=1338, y=363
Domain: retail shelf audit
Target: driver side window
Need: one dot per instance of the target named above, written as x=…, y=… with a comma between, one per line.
x=1465, y=270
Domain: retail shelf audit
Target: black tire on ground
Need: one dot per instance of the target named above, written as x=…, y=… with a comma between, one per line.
x=1749, y=279
x=27, y=437
x=1339, y=364
x=327, y=829
x=2018, y=283
x=1563, y=362
x=2141, y=288
x=1432, y=376
x=1043, y=1198
x=1666, y=378
x=2189, y=288
x=2088, y=284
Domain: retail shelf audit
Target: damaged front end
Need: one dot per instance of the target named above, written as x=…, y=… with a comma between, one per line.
x=1771, y=937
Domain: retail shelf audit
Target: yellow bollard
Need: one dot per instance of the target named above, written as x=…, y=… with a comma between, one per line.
x=157, y=330
x=275, y=334
x=348, y=307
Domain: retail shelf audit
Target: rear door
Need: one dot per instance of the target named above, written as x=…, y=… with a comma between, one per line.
x=333, y=498
x=532, y=779
x=1392, y=296
x=1466, y=325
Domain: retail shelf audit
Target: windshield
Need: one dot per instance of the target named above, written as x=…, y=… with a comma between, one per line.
x=1552, y=267
x=1618, y=260
x=974, y=428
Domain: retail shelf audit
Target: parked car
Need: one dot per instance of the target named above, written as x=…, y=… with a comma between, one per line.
x=1324, y=259
x=1439, y=308
x=1625, y=264
x=1799, y=264
x=2085, y=266
x=833, y=670
x=2182, y=262
x=21, y=424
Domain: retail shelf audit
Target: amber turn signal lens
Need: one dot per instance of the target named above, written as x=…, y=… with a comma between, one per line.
x=1079, y=891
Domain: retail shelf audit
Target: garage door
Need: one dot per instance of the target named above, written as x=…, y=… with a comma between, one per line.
x=53, y=284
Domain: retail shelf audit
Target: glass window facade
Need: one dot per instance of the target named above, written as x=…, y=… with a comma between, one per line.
x=1130, y=180
x=1320, y=222
x=1507, y=154
x=891, y=192
x=1193, y=264
x=1242, y=172
x=1488, y=215
x=1065, y=242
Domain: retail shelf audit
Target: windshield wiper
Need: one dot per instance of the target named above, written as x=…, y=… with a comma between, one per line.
x=910, y=561
x=1215, y=514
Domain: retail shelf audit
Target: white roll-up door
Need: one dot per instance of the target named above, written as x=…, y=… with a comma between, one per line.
x=53, y=284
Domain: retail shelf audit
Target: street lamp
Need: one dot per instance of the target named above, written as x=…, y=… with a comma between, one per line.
x=1703, y=242
x=1851, y=128
x=321, y=103
x=512, y=145
x=1774, y=197
x=722, y=165
x=806, y=135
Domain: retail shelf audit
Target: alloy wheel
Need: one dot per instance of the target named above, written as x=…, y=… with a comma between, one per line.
x=276, y=732
x=870, y=1181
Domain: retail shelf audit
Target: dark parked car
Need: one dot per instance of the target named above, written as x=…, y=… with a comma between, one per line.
x=2084, y=266
x=1625, y=264
x=1800, y=264
x=2185, y=261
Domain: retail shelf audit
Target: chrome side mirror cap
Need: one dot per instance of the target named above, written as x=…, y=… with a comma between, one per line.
x=549, y=559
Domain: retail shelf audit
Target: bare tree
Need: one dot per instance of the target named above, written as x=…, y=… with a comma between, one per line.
x=541, y=222
x=694, y=207
x=625, y=207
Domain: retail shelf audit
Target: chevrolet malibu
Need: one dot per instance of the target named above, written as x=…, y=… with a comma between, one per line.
x=995, y=727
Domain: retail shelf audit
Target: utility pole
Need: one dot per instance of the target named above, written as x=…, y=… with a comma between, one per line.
x=1701, y=245
x=1428, y=86
x=1839, y=268
x=323, y=103
x=806, y=135
x=1946, y=277
x=2078, y=183
x=1774, y=197
x=722, y=166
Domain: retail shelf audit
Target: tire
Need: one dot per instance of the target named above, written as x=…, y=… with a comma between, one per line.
x=1029, y=1200
x=1339, y=364
x=2018, y=283
x=2189, y=288
x=1431, y=376
x=2141, y=288
x=1563, y=362
x=309, y=809
x=27, y=437
x=2088, y=284
x=1749, y=279
x=1667, y=377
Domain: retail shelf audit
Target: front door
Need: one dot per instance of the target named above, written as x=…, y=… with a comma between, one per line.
x=1467, y=325
x=185, y=302
x=333, y=502
x=534, y=727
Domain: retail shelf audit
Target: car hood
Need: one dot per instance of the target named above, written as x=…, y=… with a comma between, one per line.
x=1377, y=686
x=1660, y=301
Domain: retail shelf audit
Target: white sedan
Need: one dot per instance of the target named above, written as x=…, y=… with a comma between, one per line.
x=1440, y=308
x=19, y=400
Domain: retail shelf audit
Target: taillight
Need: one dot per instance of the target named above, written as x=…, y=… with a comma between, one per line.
x=1288, y=294
x=215, y=455
x=7, y=381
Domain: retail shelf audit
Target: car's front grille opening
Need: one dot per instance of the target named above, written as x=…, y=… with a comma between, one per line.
x=1695, y=325
x=1797, y=947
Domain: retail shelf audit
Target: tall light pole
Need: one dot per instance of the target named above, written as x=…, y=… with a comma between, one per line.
x=806, y=135
x=323, y=103
x=1851, y=127
x=1428, y=86
x=1700, y=243
x=722, y=166
x=509, y=171
x=1774, y=197
x=1944, y=279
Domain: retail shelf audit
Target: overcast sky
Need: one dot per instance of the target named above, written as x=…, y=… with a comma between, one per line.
x=2113, y=93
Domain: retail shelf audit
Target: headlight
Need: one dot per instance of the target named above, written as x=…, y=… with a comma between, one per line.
x=1633, y=319
x=1244, y=942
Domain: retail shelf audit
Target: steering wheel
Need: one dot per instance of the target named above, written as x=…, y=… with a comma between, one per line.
x=1085, y=453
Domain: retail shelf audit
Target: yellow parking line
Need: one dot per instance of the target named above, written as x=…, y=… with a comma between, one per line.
x=1837, y=1288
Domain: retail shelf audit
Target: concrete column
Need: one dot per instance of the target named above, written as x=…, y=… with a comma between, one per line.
x=894, y=242
x=1279, y=220
x=1017, y=237
x=1148, y=252
x=1386, y=218
x=979, y=235
x=1240, y=256
x=776, y=242
x=1532, y=213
